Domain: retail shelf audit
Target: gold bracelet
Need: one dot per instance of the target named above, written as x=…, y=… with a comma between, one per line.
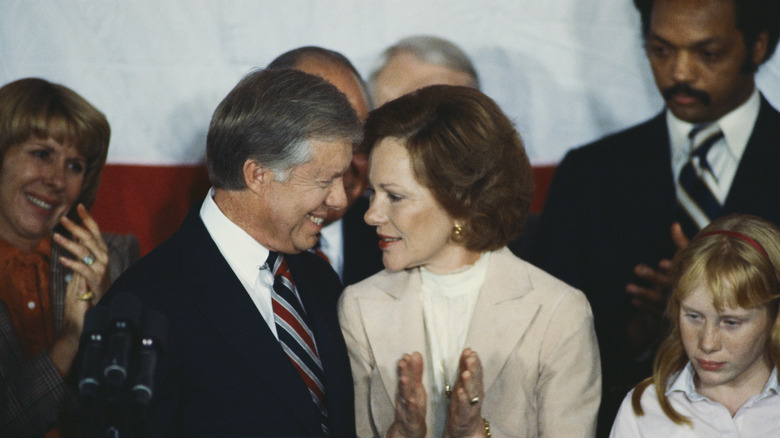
x=487, y=427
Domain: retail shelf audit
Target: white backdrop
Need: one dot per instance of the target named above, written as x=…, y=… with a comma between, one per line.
x=566, y=71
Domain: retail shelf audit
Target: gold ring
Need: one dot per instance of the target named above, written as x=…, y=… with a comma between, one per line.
x=86, y=296
x=474, y=401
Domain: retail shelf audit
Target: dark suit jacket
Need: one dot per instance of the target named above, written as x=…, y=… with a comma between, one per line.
x=611, y=205
x=223, y=373
x=362, y=256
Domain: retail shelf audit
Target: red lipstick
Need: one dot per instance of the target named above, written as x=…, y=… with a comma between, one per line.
x=386, y=241
x=710, y=366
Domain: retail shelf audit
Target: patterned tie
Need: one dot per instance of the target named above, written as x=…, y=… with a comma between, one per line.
x=295, y=337
x=697, y=203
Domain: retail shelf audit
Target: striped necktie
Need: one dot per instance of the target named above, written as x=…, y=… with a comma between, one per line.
x=697, y=203
x=295, y=337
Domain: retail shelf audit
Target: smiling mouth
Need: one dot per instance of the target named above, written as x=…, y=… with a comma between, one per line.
x=39, y=202
x=315, y=219
x=385, y=241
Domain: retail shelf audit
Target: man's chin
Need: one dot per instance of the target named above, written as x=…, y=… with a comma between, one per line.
x=690, y=114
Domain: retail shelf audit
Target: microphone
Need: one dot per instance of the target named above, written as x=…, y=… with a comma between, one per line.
x=95, y=324
x=153, y=334
x=124, y=315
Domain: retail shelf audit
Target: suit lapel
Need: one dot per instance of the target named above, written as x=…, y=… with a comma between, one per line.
x=647, y=198
x=57, y=286
x=755, y=184
x=501, y=316
x=394, y=325
x=227, y=306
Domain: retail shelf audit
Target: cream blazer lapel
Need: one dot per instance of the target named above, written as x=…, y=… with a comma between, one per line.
x=500, y=317
x=394, y=325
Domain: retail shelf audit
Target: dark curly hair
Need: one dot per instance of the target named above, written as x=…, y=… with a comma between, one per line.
x=466, y=151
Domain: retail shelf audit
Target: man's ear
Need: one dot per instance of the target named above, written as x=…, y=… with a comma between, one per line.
x=759, y=49
x=256, y=176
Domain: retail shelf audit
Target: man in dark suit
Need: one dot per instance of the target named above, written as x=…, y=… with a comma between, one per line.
x=277, y=149
x=607, y=227
x=350, y=245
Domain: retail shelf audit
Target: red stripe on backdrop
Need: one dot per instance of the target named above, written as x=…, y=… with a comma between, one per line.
x=148, y=201
x=151, y=201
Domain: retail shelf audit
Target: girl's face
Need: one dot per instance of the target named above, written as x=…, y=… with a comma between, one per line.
x=727, y=348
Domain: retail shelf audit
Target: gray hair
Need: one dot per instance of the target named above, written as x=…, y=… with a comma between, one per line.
x=270, y=117
x=431, y=49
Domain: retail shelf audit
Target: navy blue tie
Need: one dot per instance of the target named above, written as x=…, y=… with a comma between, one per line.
x=697, y=203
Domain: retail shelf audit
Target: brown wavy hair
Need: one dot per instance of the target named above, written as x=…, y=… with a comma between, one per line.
x=465, y=150
x=737, y=273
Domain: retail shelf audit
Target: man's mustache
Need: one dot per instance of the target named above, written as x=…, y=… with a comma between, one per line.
x=687, y=90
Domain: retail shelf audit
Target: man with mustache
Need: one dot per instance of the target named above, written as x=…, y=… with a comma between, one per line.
x=618, y=208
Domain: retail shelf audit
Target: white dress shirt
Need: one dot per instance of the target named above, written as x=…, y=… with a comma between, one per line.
x=724, y=156
x=759, y=417
x=245, y=255
x=332, y=245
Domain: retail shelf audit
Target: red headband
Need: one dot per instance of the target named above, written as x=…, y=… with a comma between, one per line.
x=740, y=236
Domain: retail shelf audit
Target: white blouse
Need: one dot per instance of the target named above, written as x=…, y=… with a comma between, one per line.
x=448, y=304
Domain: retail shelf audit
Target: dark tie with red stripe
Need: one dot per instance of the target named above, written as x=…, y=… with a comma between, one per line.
x=295, y=337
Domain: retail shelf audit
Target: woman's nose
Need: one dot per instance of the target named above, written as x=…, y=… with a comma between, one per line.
x=709, y=338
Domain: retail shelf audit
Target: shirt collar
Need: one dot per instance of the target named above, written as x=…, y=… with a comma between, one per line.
x=683, y=382
x=772, y=385
x=244, y=254
x=737, y=126
x=331, y=244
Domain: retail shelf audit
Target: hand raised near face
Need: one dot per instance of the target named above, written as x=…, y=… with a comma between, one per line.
x=649, y=300
x=465, y=411
x=90, y=252
x=410, y=399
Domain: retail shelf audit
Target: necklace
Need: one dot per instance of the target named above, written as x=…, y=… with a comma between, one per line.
x=447, y=391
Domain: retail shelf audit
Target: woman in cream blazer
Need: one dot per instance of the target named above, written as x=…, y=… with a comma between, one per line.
x=530, y=365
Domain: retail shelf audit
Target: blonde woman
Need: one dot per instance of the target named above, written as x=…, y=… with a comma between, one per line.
x=54, y=261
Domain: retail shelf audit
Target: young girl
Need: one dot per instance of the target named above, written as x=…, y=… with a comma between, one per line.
x=716, y=372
